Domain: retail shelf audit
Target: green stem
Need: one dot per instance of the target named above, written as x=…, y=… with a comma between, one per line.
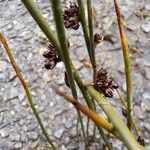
x=63, y=43
x=90, y=25
x=123, y=102
x=86, y=32
x=92, y=49
x=11, y=58
x=126, y=63
x=56, y=6
x=115, y=119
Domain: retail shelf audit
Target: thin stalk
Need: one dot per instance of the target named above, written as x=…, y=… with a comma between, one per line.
x=127, y=64
x=115, y=119
x=65, y=52
x=92, y=48
x=27, y=91
x=85, y=31
x=87, y=128
x=90, y=25
x=123, y=102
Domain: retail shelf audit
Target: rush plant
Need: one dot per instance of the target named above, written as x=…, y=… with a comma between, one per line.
x=102, y=86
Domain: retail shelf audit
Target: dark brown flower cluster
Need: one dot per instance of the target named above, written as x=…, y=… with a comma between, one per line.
x=71, y=17
x=97, y=39
x=141, y=140
x=51, y=57
x=105, y=83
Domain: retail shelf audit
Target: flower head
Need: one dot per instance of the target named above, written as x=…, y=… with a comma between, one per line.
x=97, y=39
x=71, y=17
x=141, y=140
x=51, y=57
x=105, y=83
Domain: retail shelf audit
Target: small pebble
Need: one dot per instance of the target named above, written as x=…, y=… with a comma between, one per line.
x=18, y=145
x=59, y=133
x=4, y=133
x=146, y=27
x=147, y=126
x=138, y=113
x=34, y=144
x=15, y=137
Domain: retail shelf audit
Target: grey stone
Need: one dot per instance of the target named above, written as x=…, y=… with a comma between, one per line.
x=145, y=105
x=18, y=145
x=63, y=147
x=146, y=94
x=147, y=7
x=58, y=134
x=33, y=135
x=73, y=132
x=147, y=126
x=4, y=133
x=21, y=96
x=68, y=124
x=3, y=65
x=146, y=27
x=34, y=144
x=15, y=137
x=138, y=112
x=147, y=73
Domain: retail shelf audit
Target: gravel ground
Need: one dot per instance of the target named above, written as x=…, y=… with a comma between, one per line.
x=18, y=126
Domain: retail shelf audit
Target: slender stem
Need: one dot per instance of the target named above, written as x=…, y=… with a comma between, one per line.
x=87, y=128
x=133, y=121
x=56, y=6
x=90, y=25
x=63, y=43
x=126, y=63
x=8, y=51
x=85, y=31
x=92, y=48
x=115, y=119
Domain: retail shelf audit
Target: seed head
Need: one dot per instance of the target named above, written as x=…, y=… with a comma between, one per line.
x=97, y=39
x=51, y=57
x=105, y=83
x=71, y=17
x=141, y=140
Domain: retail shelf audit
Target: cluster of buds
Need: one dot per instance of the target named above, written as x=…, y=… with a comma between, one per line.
x=141, y=140
x=71, y=16
x=51, y=57
x=97, y=39
x=105, y=83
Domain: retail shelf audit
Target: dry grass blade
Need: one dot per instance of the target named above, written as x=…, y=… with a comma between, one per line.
x=99, y=120
x=126, y=63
